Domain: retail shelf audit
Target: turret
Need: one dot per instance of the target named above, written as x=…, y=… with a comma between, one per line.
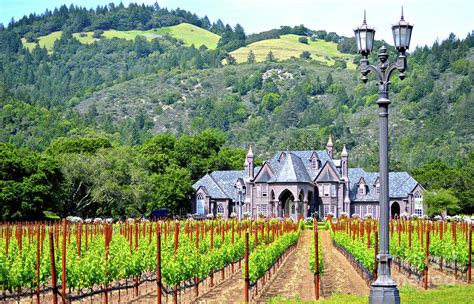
x=329, y=147
x=344, y=162
x=345, y=176
x=249, y=167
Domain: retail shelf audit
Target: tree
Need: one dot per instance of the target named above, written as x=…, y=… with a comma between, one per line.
x=97, y=34
x=270, y=57
x=251, y=57
x=231, y=60
x=303, y=40
x=305, y=55
x=171, y=189
x=30, y=184
x=441, y=200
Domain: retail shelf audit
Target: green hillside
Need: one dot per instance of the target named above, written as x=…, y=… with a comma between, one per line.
x=288, y=46
x=188, y=33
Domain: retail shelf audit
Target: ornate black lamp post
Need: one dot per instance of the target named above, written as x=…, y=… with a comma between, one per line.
x=384, y=289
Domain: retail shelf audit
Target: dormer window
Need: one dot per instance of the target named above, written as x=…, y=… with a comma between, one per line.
x=362, y=190
x=282, y=156
x=377, y=188
x=315, y=162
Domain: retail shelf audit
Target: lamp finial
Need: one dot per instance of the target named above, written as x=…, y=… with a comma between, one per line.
x=402, y=14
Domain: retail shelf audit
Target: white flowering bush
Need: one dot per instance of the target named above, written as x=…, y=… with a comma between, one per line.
x=109, y=220
x=355, y=216
x=130, y=220
x=246, y=215
x=88, y=221
x=97, y=220
x=438, y=218
x=368, y=216
x=330, y=214
x=210, y=216
x=233, y=215
x=456, y=218
x=74, y=219
x=309, y=221
x=448, y=218
x=414, y=216
x=344, y=214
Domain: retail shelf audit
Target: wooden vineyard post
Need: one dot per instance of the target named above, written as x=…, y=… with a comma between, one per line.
x=316, y=259
x=469, y=256
x=108, y=235
x=441, y=239
x=376, y=250
x=246, y=256
x=63, y=263
x=38, y=239
x=211, y=248
x=196, y=278
x=222, y=242
x=53, y=268
x=159, y=284
x=427, y=252
x=176, y=237
x=233, y=240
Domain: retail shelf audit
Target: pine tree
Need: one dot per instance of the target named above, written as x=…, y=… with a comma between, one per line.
x=270, y=57
x=251, y=57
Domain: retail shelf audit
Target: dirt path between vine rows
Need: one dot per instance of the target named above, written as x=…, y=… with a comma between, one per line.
x=294, y=279
x=230, y=291
x=339, y=275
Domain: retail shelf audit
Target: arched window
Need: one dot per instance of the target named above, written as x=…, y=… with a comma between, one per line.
x=220, y=209
x=200, y=204
x=418, y=203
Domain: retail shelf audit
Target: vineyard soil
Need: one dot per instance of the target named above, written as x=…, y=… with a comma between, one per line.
x=339, y=275
x=294, y=279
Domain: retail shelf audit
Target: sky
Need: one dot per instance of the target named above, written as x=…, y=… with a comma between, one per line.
x=433, y=19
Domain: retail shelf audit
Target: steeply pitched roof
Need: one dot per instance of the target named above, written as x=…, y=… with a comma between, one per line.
x=305, y=157
x=292, y=170
x=325, y=173
x=220, y=184
x=400, y=184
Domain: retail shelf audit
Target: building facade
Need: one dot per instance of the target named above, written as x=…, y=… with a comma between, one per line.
x=296, y=184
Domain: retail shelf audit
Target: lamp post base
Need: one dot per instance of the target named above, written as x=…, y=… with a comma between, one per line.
x=384, y=295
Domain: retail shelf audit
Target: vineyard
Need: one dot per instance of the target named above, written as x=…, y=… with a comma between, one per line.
x=112, y=261
x=414, y=244
x=186, y=261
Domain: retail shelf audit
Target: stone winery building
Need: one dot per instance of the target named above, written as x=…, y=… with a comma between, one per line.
x=298, y=183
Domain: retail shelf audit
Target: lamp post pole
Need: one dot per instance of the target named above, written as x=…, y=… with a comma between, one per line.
x=384, y=289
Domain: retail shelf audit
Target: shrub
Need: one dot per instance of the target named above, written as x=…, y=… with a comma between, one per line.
x=98, y=34
x=303, y=40
x=305, y=55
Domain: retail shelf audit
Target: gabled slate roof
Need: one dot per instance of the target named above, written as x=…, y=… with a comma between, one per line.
x=305, y=157
x=220, y=184
x=292, y=170
x=400, y=184
x=326, y=176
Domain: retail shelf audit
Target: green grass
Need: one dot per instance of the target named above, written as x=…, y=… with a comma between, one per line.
x=191, y=34
x=43, y=41
x=442, y=295
x=188, y=33
x=288, y=45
